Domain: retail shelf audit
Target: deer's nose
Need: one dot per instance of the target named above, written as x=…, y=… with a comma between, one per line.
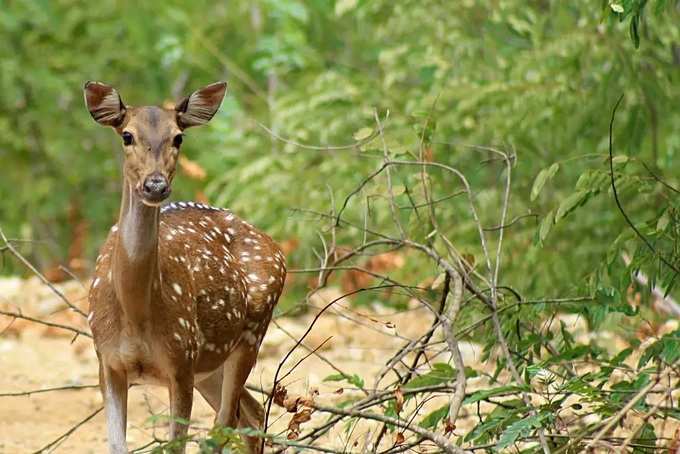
x=156, y=186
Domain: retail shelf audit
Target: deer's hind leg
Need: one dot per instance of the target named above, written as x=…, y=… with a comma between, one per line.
x=211, y=388
x=237, y=407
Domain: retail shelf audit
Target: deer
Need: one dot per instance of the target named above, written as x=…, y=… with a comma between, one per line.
x=182, y=293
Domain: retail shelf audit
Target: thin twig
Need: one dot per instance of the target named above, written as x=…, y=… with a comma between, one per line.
x=68, y=433
x=44, y=280
x=47, y=390
x=43, y=322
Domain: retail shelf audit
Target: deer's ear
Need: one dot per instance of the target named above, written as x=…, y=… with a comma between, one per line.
x=200, y=106
x=104, y=104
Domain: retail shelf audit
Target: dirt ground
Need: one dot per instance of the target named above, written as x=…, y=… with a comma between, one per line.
x=36, y=357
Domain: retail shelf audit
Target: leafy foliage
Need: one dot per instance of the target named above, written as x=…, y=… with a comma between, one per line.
x=318, y=105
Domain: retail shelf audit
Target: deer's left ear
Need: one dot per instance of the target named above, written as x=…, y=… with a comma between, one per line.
x=200, y=106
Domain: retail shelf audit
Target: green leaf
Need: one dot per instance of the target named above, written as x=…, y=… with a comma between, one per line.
x=353, y=379
x=542, y=177
x=519, y=429
x=663, y=221
x=546, y=226
x=633, y=29
x=620, y=159
x=440, y=373
x=617, y=8
x=485, y=394
x=570, y=203
x=431, y=420
x=647, y=437
x=362, y=134
x=666, y=349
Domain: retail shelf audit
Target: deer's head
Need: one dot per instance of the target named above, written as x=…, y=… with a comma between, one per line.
x=151, y=135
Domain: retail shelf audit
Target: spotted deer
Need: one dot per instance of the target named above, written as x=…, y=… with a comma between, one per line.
x=182, y=293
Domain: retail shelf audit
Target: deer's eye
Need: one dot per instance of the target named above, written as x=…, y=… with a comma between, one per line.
x=177, y=141
x=127, y=138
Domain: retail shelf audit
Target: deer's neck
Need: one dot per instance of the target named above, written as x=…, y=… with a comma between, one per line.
x=135, y=272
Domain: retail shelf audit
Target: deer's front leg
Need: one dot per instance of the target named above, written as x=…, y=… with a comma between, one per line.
x=114, y=388
x=181, y=399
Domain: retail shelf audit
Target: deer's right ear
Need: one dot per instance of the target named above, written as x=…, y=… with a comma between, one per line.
x=104, y=104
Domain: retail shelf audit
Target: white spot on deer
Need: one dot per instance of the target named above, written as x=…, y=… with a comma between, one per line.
x=229, y=217
x=114, y=228
x=231, y=231
x=177, y=336
x=249, y=337
x=95, y=283
x=263, y=287
x=271, y=279
x=90, y=317
x=258, y=257
x=177, y=288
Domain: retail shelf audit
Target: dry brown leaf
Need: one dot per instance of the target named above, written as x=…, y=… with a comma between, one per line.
x=399, y=398
x=280, y=394
x=306, y=402
x=448, y=426
x=469, y=260
x=302, y=416
x=674, y=447
x=379, y=264
x=428, y=154
x=191, y=168
x=400, y=438
x=200, y=197
x=289, y=245
x=291, y=404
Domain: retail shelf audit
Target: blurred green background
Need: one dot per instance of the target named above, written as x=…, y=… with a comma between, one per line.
x=537, y=79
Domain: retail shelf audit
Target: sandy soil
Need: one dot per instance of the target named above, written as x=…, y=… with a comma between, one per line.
x=35, y=357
